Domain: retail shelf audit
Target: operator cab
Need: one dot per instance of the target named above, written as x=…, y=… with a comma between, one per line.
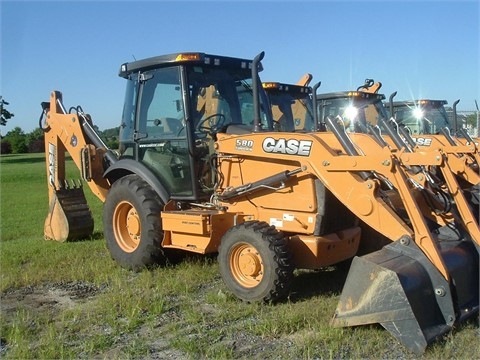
x=421, y=117
x=174, y=107
x=356, y=109
x=291, y=106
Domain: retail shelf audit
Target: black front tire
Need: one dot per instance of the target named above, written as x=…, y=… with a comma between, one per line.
x=132, y=224
x=473, y=197
x=255, y=263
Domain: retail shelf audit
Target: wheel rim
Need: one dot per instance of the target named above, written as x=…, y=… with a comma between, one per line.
x=126, y=226
x=246, y=265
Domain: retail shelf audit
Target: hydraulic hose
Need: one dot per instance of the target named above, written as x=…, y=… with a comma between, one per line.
x=93, y=137
x=267, y=182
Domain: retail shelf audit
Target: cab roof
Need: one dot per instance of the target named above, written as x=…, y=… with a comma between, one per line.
x=421, y=102
x=287, y=88
x=184, y=58
x=350, y=94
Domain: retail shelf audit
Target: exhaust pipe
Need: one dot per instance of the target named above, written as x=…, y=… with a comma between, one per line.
x=316, y=121
x=256, y=96
x=455, y=122
x=390, y=102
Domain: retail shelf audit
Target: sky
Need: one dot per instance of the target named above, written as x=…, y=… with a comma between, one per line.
x=421, y=49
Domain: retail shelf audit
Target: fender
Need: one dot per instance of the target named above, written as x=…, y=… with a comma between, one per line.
x=128, y=166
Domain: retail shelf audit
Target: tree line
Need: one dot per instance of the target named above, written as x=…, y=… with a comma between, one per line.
x=16, y=141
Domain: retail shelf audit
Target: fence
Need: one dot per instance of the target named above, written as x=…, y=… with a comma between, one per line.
x=469, y=120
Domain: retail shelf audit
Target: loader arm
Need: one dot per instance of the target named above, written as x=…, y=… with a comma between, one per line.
x=391, y=166
x=458, y=159
x=370, y=86
x=305, y=79
x=400, y=289
x=466, y=214
x=340, y=174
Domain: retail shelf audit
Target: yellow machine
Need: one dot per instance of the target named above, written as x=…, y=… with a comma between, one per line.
x=361, y=110
x=203, y=168
x=291, y=106
x=421, y=116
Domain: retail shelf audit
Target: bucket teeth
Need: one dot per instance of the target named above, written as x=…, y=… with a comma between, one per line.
x=71, y=184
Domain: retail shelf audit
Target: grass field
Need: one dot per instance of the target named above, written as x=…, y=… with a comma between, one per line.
x=70, y=300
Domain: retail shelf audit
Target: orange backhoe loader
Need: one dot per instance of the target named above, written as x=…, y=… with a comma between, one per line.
x=201, y=168
x=421, y=116
x=361, y=110
x=429, y=117
x=291, y=106
x=363, y=105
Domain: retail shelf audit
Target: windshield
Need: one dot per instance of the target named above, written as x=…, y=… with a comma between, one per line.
x=291, y=112
x=354, y=113
x=218, y=95
x=426, y=119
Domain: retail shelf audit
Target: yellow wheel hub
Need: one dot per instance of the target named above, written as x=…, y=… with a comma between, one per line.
x=126, y=226
x=246, y=265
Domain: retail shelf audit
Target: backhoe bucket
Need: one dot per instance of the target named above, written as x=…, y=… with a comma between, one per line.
x=69, y=217
x=399, y=288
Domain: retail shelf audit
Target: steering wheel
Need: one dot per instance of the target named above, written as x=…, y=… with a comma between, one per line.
x=212, y=128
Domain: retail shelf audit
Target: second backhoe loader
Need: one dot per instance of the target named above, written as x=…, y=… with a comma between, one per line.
x=421, y=116
x=291, y=106
x=361, y=110
x=354, y=307
x=201, y=168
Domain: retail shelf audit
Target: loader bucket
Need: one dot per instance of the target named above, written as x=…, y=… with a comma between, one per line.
x=399, y=288
x=69, y=217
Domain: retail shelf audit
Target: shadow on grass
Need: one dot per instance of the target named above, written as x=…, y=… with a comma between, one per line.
x=22, y=159
x=310, y=283
x=97, y=235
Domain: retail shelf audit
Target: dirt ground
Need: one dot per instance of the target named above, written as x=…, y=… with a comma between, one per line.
x=51, y=298
x=43, y=299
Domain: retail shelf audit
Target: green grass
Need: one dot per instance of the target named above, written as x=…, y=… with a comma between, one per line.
x=70, y=300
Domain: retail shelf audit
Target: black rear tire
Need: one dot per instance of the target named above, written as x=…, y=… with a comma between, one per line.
x=255, y=263
x=132, y=224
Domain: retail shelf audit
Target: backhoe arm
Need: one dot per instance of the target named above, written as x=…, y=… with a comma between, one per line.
x=69, y=216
